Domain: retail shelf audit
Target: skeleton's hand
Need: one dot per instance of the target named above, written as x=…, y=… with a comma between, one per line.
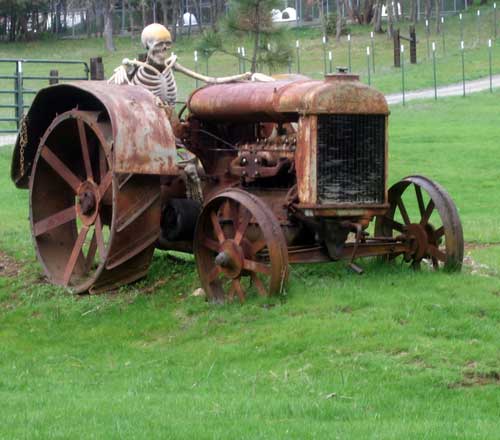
x=169, y=63
x=120, y=74
x=260, y=77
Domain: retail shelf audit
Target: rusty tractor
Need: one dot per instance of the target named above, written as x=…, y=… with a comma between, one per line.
x=254, y=177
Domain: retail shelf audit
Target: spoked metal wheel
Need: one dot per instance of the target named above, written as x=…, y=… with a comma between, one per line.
x=423, y=213
x=93, y=229
x=239, y=247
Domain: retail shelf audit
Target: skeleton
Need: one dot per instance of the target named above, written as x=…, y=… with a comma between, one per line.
x=157, y=73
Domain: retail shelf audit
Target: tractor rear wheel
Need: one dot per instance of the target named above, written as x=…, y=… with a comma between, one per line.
x=93, y=229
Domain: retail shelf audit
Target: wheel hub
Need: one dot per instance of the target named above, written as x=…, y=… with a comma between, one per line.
x=230, y=259
x=88, y=202
x=419, y=241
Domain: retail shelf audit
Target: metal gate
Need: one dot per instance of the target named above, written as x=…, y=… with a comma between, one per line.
x=15, y=99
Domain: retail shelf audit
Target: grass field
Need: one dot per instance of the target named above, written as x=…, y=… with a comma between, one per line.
x=390, y=354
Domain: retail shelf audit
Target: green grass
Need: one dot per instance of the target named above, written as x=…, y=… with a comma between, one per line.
x=390, y=354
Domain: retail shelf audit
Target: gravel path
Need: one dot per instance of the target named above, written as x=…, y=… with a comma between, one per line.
x=477, y=85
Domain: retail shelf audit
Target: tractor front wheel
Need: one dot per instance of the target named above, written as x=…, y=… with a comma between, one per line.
x=239, y=247
x=423, y=214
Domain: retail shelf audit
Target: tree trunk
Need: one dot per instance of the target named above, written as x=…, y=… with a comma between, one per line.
x=130, y=17
x=108, y=8
x=175, y=9
x=143, y=11
x=377, y=17
x=428, y=7
x=197, y=5
x=164, y=11
x=413, y=11
x=256, y=37
x=338, y=24
x=438, y=16
x=390, y=20
x=368, y=11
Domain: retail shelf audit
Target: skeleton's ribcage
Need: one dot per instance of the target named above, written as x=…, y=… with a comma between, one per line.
x=162, y=85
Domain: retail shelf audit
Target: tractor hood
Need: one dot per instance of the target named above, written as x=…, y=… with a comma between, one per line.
x=284, y=99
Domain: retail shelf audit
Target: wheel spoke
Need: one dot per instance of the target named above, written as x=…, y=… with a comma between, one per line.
x=213, y=274
x=402, y=210
x=75, y=253
x=231, y=292
x=91, y=253
x=394, y=224
x=217, y=229
x=420, y=199
x=53, y=221
x=85, y=149
x=99, y=237
x=242, y=226
x=60, y=168
x=439, y=232
x=427, y=213
x=105, y=183
x=259, y=284
x=211, y=244
x=257, y=246
x=436, y=253
x=435, y=263
x=255, y=266
x=234, y=213
x=239, y=289
x=102, y=164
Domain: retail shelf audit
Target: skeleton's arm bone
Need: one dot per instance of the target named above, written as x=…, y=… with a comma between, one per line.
x=210, y=79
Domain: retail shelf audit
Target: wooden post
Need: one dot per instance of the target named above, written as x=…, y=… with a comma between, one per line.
x=54, y=77
x=397, y=48
x=413, y=45
x=96, y=69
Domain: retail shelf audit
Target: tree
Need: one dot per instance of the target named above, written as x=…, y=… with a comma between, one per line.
x=252, y=18
x=358, y=11
x=108, y=8
x=377, y=17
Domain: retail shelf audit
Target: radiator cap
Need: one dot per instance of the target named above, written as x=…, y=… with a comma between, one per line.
x=342, y=74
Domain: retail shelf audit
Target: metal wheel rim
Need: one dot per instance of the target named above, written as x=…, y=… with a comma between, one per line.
x=206, y=248
x=89, y=126
x=450, y=229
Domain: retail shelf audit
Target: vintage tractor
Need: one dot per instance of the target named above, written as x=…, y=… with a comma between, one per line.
x=255, y=177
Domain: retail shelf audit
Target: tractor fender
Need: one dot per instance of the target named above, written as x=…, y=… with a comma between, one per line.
x=142, y=141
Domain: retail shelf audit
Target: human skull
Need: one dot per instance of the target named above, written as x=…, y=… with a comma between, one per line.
x=157, y=40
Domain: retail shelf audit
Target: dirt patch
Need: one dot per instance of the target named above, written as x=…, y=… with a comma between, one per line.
x=478, y=268
x=476, y=379
x=8, y=266
x=473, y=245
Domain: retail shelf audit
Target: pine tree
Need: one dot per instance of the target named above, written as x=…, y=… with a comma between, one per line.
x=252, y=19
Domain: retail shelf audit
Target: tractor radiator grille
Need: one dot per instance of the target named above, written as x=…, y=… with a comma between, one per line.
x=351, y=159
